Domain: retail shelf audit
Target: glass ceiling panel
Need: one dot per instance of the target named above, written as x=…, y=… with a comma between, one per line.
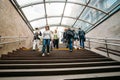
x=91, y=15
x=104, y=5
x=68, y=21
x=33, y=12
x=79, y=1
x=38, y=23
x=81, y=24
x=54, y=9
x=52, y=21
x=78, y=24
x=73, y=10
x=26, y=2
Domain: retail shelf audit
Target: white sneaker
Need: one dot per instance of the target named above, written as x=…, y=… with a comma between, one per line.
x=43, y=54
x=48, y=53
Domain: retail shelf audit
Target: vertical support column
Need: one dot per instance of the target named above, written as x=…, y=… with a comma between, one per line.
x=89, y=43
x=0, y=38
x=106, y=47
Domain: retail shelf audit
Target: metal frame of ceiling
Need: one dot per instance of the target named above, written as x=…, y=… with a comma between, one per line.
x=19, y=9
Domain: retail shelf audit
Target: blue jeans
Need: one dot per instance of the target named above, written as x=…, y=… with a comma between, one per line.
x=70, y=44
x=82, y=43
x=46, y=43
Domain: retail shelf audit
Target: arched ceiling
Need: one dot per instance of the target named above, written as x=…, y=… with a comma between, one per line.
x=67, y=13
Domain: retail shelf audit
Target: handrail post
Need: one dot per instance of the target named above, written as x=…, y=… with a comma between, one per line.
x=89, y=43
x=106, y=47
x=19, y=42
x=0, y=38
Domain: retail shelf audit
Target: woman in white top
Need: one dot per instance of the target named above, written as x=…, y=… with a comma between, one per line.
x=46, y=40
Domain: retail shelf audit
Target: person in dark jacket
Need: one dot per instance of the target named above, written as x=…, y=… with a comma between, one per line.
x=65, y=38
x=70, y=37
x=82, y=38
x=76, y=40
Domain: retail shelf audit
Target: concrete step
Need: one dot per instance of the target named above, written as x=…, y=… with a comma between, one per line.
x=57, y=71
x=54, y=60
x=58, y=65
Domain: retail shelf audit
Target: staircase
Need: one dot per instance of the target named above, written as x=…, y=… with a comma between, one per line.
x=59, y=65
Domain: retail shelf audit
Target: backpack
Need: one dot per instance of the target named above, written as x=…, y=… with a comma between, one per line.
x=70, y=33
x=40, y=33
x=36, y=36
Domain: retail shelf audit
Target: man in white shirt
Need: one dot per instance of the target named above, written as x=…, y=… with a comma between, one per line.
x=36, y=39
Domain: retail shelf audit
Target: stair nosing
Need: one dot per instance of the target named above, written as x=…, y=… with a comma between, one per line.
x=59, y=63
x=60, y=59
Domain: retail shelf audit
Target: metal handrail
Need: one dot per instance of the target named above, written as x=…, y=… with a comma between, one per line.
x=12, y=37
x=100, y=38
x=19, y=39
x=104, y=41
x=11, y=42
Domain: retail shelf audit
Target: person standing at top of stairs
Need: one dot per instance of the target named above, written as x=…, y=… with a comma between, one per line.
x=36, y=39
x=47, y=36
x=82, y=38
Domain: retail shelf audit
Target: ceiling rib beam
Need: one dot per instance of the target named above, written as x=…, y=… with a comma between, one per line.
x=63, y=12
x=45, y=13
x=56, y=25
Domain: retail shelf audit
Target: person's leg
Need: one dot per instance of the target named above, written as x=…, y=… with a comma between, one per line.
x=71, y=45
x=48, y=46
x=51, y=45
x=78, y=46
x=38, y=43
x=34, y=44
x=44, y=46
x=57, y=43
x=75, y=44
x=82, y=43
x=54, y=43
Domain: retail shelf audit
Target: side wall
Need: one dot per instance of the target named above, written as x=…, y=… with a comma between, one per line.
x=11, y=24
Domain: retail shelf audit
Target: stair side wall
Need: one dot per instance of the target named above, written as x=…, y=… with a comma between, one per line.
x=11, y=24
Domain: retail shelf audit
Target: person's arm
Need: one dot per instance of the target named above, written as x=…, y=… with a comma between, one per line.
x=58, y=35
x=51, y=35
x=43, y=34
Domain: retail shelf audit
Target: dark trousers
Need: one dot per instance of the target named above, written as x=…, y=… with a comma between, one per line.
x=56, y=43
x=82, y=43
x=70, y=44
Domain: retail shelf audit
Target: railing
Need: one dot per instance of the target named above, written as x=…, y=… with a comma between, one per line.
x=106, y=41
x=6, y=39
